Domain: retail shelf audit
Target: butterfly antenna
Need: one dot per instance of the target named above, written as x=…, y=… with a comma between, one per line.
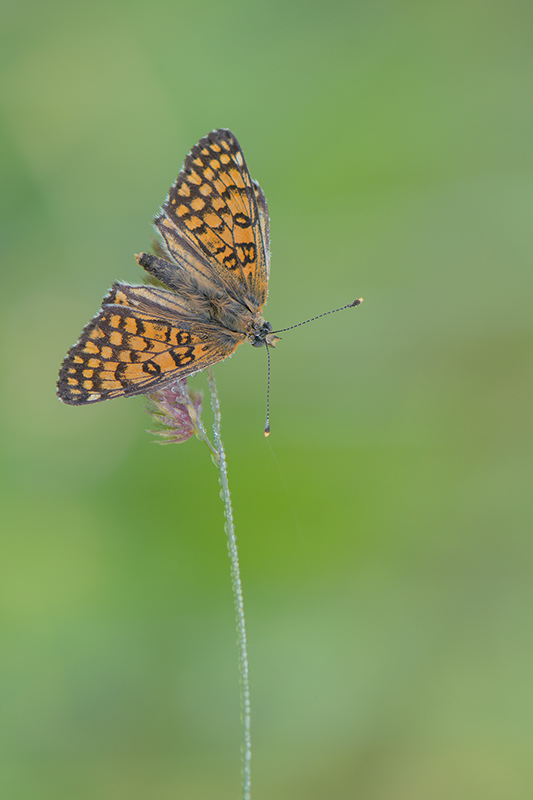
x=267, y=423
x=325, y=314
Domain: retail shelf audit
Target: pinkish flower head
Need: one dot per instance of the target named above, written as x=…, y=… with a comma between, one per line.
x=176, y=409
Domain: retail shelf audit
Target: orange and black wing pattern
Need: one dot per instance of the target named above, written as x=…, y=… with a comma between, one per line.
x=141, y=339
x=215, y=220
x=215, y=227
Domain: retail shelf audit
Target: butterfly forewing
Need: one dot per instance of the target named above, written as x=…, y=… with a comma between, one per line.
x=264, y=231
x=216, y=211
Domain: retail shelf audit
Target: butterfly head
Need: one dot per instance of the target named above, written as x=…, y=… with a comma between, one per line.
x=261, y=334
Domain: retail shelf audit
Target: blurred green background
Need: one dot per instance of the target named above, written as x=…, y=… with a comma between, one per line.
x=385, y=528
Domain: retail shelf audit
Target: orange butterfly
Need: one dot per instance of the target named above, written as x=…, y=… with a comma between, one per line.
x=215, y=227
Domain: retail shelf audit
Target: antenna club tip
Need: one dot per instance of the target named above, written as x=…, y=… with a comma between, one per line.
x=267, y=429
x=357, y=302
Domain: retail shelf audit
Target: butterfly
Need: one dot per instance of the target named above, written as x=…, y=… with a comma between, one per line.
x=213, y=285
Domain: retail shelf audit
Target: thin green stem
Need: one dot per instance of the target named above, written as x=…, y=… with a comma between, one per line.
x=236, y=586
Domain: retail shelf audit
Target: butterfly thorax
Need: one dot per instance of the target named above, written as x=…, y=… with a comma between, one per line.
x=235, y=317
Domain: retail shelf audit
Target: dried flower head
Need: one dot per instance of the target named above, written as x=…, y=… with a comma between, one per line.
x=177, y=411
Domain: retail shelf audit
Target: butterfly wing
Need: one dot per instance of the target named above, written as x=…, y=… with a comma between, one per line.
x=215, y=220
x=142, y=338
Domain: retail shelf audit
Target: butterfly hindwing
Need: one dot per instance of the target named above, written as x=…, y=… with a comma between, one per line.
x=138, y=341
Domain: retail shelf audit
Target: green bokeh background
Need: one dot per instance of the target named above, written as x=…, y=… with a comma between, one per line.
x=385, y=528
